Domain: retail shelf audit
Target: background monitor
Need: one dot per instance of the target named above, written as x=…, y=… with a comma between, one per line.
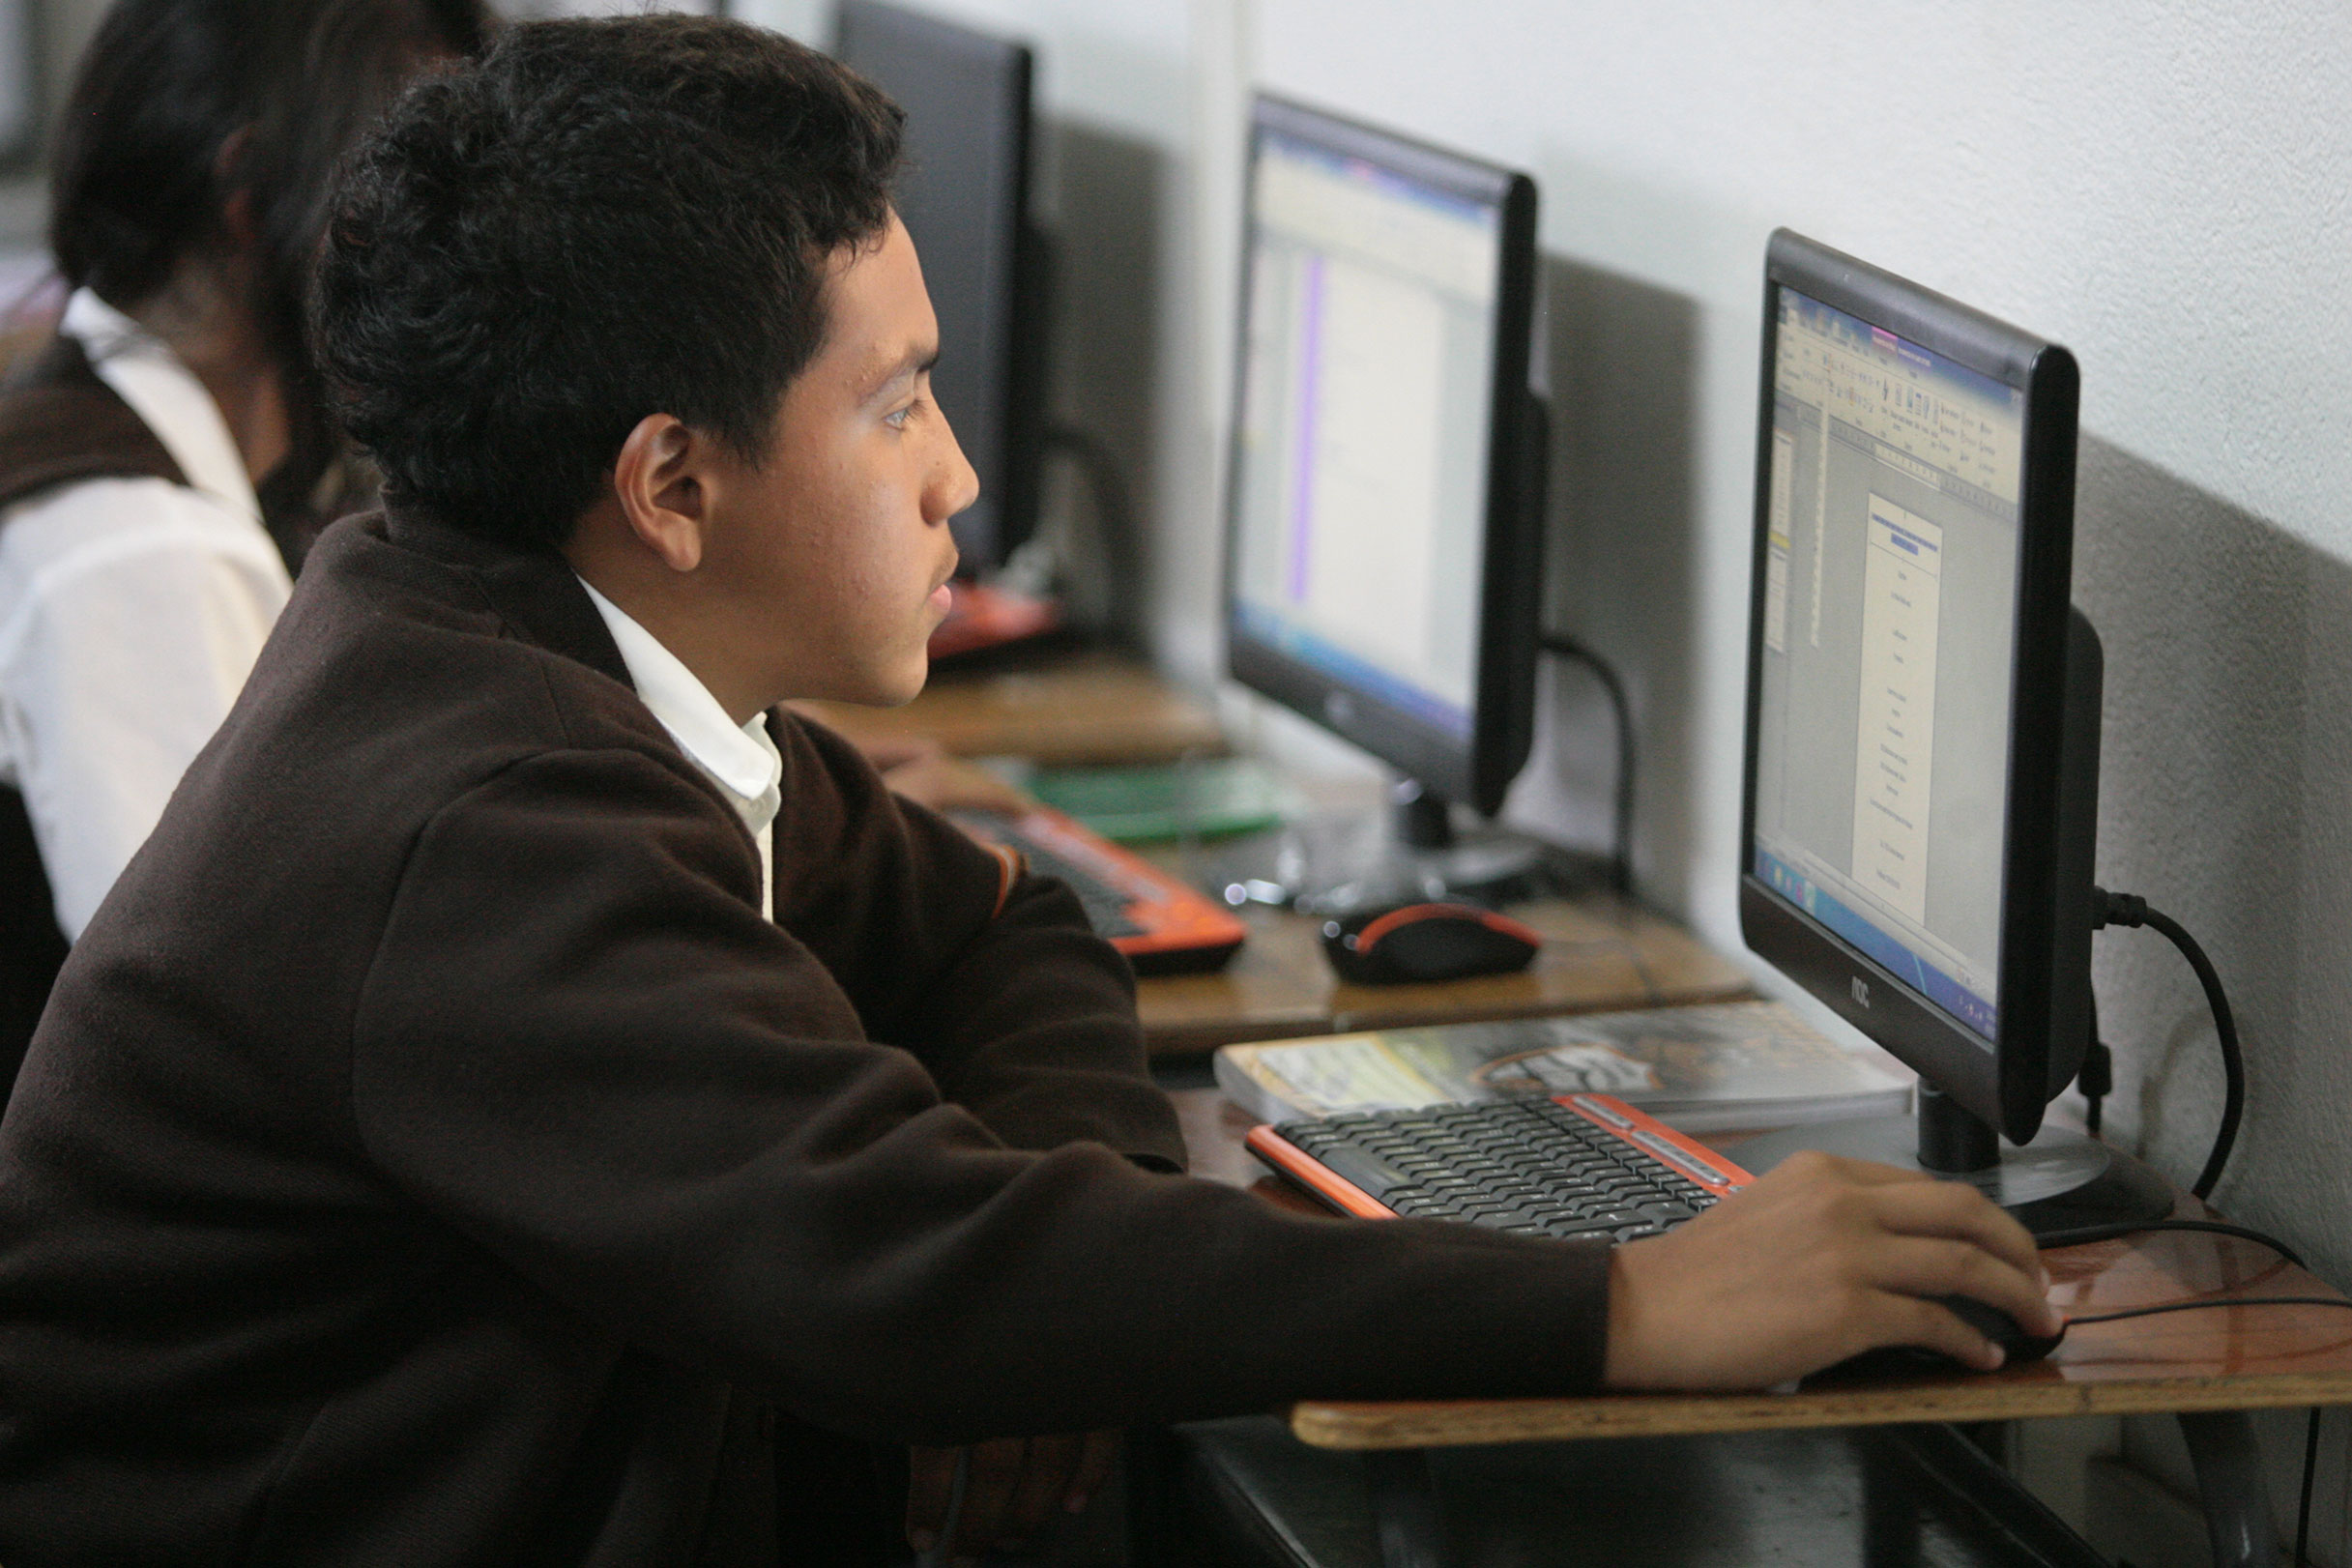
x=965, y=197
x=1922, y=702
x=1383, y=562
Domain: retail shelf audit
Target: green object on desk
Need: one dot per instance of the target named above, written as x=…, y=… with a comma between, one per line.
x=1209, y=797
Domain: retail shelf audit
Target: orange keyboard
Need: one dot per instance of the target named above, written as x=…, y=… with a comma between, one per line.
x=1162, y=925
x=1576, y=1165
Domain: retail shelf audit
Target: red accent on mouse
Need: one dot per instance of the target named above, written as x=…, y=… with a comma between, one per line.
x=1422, y=942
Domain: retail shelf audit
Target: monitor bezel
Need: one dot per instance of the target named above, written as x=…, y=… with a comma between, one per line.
x=2008, y=1086
x=1478, y=769
x=1016, y=381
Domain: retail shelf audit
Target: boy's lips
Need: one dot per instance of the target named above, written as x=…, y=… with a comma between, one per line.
x=943, y=589
x=943, y=593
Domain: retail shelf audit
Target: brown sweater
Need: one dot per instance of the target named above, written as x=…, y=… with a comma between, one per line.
x=430, y=1155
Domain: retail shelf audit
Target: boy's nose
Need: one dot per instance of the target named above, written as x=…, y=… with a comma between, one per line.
x=958, y=486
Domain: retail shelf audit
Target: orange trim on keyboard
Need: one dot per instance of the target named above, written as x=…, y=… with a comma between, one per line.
x=1175, y=918
x=1313, y=1174
x=1698, y=1162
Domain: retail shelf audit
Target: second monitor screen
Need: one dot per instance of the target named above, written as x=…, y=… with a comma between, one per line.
x=1366, y=406
x=1889, y=624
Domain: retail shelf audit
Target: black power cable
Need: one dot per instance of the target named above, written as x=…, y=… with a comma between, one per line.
x=2110, y=1233
x=1559, y=645
x=2207, y=1303
x=2095, y=1077
x=2130, y=910
x=2303, y=1508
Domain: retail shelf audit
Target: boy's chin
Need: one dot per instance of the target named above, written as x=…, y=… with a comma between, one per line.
x=891, y=681
x=895, y=687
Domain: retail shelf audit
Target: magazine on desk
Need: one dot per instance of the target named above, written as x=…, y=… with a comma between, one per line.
x=1696, y=1069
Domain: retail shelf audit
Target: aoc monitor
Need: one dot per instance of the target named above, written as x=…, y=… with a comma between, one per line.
x=1922, y=766
x=1385, y=542
x=964, y=195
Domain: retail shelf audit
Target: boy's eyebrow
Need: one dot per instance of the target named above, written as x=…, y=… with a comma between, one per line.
x=917, y=359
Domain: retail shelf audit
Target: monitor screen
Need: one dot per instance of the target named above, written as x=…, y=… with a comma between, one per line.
x=963, y=195
x=1919, y=828
x=1364, y=425
x=1379, y=308
x=1889, y=621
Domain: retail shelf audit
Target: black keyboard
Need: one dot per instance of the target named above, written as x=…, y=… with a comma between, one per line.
x=1106, y=905
x=1528, y=1167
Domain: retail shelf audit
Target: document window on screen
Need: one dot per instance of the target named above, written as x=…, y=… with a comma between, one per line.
x=1364, y=425
x=1890, y=606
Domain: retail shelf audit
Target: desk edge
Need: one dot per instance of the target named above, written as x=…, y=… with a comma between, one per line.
x=1383, y=1425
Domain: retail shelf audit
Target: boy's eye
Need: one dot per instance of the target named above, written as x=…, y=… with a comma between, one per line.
x=897, y=417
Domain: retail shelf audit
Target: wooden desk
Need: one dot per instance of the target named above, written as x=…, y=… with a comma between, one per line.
x=1600, y=953
x=2251, y=1358
x=2206, y=1367
x=1072, y=711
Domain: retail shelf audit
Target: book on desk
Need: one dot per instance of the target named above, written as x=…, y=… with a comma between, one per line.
x=1698, y=1069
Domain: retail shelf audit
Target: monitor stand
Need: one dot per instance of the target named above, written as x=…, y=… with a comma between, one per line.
x=2060, y=1182
x=1425, y=859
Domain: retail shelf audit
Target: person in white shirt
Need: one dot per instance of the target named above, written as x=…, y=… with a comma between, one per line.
x=191, y=177
x=130, y=611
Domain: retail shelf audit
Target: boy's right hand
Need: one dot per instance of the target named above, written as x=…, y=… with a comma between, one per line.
x=1822, y=1259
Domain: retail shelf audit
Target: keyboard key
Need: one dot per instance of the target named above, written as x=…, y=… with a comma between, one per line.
x=1563, y=1229
x=1365, y=1168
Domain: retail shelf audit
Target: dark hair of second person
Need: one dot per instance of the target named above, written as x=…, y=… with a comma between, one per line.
x=193, y=116
x=591, y=224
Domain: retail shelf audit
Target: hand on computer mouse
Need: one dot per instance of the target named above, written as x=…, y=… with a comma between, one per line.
x=1820, y=1261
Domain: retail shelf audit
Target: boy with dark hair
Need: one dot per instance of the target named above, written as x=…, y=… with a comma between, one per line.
x=530, y=1096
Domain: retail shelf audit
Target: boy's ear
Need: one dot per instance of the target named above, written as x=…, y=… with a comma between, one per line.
x=658, y=483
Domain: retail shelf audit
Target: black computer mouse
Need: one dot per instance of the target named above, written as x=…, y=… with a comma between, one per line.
x=1996, y=1325
x=1426, y=941
x=2001, y=1328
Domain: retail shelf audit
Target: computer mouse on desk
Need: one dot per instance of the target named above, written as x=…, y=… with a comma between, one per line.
x=1418, y=942
x=2017, y=1346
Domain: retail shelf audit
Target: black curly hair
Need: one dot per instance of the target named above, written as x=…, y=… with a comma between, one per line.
x=598, y=221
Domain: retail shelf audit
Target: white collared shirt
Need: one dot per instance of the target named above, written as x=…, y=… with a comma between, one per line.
x=741, y=760
x=131, y=610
